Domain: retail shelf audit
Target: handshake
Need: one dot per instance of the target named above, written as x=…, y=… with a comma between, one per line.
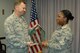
x=45, y=43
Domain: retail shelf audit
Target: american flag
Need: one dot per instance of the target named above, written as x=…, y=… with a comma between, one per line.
x=36, y=37
x=34, y=17
x=34, y=21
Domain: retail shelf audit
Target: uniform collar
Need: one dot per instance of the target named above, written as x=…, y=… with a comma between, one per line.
x=65, y=26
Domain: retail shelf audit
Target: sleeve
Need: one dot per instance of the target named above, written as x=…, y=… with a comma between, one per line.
x=60, y=40
x=12, y=37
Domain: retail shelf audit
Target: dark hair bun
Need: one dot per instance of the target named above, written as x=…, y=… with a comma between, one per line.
x=71, y=18
x=67, y=14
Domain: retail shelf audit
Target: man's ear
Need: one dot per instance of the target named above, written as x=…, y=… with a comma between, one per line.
x=16, y=7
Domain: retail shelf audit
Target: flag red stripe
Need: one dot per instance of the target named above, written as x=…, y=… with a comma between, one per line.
x=38, y=31
x=31, y=24
x=36, y=38
x=32, y=49
x=32, y=38
x=34, y=23
x=40, y=47
x=37, y=20
x=35, y=46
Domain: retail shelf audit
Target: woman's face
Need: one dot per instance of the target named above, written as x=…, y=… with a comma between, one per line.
x=61, y=20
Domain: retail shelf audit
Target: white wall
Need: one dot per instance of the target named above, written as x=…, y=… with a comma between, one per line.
x=7, y=5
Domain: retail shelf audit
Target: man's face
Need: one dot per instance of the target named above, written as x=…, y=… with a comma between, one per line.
x=21, y=8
